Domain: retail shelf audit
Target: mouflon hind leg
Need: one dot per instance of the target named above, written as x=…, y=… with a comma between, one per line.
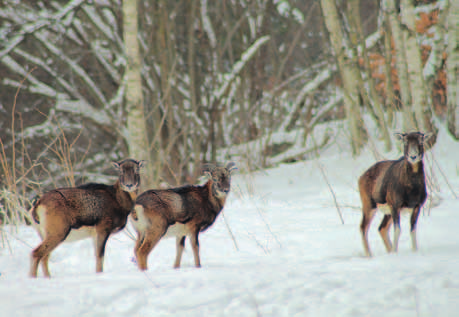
x=384, y=231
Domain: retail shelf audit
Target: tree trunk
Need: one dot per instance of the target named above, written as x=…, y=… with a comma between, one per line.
x=196, y=144
x=401, y=64
x=422, y=110
x=389, y=97
x=452, y=69
x=137, y=139
x=349, y=75
x=434, y=62
x=373, y=100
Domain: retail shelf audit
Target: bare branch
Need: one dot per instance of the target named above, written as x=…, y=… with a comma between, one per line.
x=39, y=24
x=73, y=65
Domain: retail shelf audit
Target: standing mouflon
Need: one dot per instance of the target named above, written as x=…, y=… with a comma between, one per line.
x=90, y=210
x=393, y=186
x=180, y=212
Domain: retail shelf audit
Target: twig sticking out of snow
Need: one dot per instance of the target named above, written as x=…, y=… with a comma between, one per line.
x=444, y=176
x=230, y=232
x=321, y=168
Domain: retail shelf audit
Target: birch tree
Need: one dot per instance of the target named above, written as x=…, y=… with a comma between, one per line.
x=371, y=97
x=400, y=62
x=420, y=104
x=137, y=132
x=389, y=99
x=452, y=68
x=349, y=75
x=212, y=75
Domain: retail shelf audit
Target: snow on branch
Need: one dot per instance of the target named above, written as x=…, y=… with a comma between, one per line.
x=238, y=66
x=36, y=85
x=39, y=62
x=37, y=25
x=253, y=151
x=101, y=25
x=112, y=71
x=330, y=105
x=296, y=152
x=298, y=149
x=64, y=102
x=207, y=24
x=319, y=79
x=95, y=18
x=84, y=110
x=427, y=8
x=374, y=38
x=307, y=89
x=208, y=28
x=73, y=65
x=434, y=61
x=47, y=128
x=371, y=40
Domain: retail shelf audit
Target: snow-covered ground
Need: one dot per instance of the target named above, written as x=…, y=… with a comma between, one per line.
x=291, y=255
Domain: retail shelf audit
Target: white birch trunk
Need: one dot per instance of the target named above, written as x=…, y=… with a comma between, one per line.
x=421, y=107
x=401, y=64
x=137, y=139
x=372, y=98
x=349, y=75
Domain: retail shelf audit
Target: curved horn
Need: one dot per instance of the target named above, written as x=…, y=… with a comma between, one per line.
x=141, y=163
x=231, y=166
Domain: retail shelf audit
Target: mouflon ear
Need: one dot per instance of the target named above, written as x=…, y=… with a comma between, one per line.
x=116, y=165
x=400, y=136
x=426, y=137
x=141, y=163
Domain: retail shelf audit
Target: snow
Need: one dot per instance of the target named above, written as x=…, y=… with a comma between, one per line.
x=291, y=256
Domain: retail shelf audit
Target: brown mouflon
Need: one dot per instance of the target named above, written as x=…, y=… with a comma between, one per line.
x=181, y=212
x=90, y=210
x=394, y=186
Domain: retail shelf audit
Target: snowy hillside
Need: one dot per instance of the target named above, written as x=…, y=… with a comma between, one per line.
x=291, y=255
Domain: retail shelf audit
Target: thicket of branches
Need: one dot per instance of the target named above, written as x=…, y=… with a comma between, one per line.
x=215, y=75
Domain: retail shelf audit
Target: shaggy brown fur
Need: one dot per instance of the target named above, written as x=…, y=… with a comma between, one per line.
x=180, y=212
x=90, y=210
x=394, y=186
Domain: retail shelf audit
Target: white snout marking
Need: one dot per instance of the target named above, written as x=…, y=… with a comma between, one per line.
x=414, y=161
x=414, y=156
x=221, y=195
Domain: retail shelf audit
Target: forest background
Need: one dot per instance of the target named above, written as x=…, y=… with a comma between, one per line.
x=183, y=82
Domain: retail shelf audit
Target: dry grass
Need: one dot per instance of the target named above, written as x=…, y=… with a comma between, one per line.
x=20, y=172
